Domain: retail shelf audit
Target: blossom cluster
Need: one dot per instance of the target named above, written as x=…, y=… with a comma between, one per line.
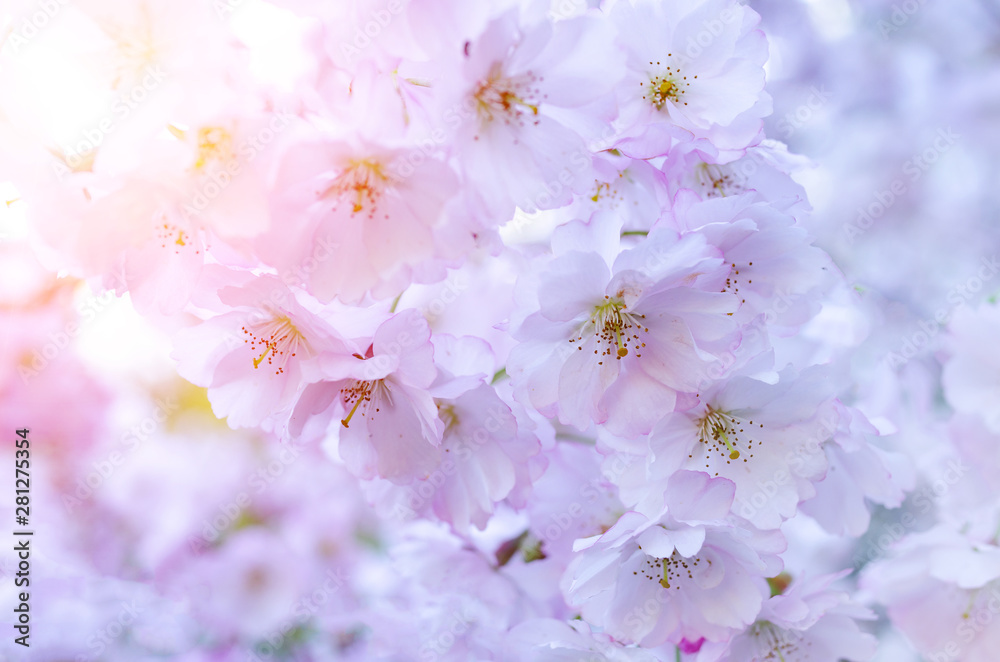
x=532, y=289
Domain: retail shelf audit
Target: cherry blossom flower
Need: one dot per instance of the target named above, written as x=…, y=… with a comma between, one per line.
x=256, y=356
x=766, y=169
x=525, y=98
x=859, y=471
x=615, y=343
x=387, y=422
x=775, y=270
x=373, y=225
x=484, y=457
x=695, y=71
x=806, y=621
x=941, y=590
x=687, y=574
x=767, y=439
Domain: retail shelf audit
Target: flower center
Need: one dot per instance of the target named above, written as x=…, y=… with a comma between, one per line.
x=723, y=433
x=716, y=181
x=362, y=183
x=614, y=329
x=667, y=572
x=175, y=238
x=448, y=416
x=214, y=144
x=361, y=396
x=669, y=85
x=509, y=99
x=603, y=190
x=773, y=643
x=275, y=341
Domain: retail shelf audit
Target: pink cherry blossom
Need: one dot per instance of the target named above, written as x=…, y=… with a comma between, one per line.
x=366, y=226
x=941, y=589
x=807, y=621
x=523, y=100
x=386, y=420
x=687, y=574
x=767, y=439
x=614, y=344
x=484, y=456
x=257, y=355
x=859, y=471
x=695, y=72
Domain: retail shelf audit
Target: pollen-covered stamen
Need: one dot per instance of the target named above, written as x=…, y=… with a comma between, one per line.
x=668, y=85
x=733, y=280
x=173, y=237
x=361, y=183
x=725, y=434
x=717, y=181
x=511, y=99
x=274, y=341
x=609, y=194
x=615, y=329
x=601, y=187
x=733, y=453
x=973, y=594
x=774, y=643
x=214, y=144
x=669, y=572
x=364, y=395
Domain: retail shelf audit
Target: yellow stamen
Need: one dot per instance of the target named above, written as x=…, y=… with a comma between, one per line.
x=665, y=583
x=733, y=453
x=345, y=421
x=622, y=350
x=256, y=361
